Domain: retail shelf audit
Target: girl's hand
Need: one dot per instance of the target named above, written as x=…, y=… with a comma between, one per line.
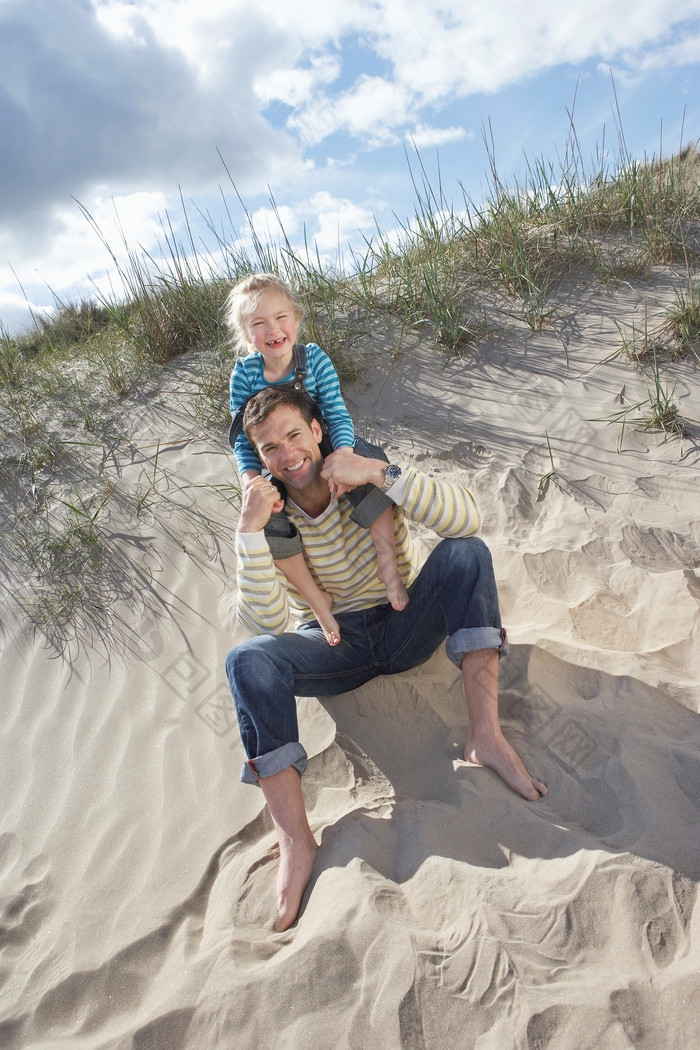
x=345, y=470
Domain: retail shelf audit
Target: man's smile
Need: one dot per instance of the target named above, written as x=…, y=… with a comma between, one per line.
x=289, y=447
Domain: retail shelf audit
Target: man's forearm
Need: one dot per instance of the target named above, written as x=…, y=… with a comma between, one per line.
x=447, y=508
x=262, y=601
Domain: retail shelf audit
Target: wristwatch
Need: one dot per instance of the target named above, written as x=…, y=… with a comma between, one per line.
x=391, y=476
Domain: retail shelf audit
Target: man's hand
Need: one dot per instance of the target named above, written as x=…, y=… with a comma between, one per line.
x=345, y=470
x=260, y=500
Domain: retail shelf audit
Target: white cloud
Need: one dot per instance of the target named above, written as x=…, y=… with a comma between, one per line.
x=274, y=224
x=682, y=50
x=337, y=222
x=370, y=111
x=322, y=223
x=76, y=250
x=16, y=311
x=423, y=136
x=200, y=32
x=451, y=50
x=75, y=264
x=297, y=86
x=452, y=47
x=80, y=105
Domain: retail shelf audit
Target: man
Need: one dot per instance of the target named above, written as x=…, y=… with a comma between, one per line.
x=452, y=596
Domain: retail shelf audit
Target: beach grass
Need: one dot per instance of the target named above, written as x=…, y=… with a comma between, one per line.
x=65, y=381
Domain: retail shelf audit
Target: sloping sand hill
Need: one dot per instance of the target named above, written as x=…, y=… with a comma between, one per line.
x=138, y=873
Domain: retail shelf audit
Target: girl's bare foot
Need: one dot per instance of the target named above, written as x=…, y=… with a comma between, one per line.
x=395, y=590
x=396, y=593
x=382, y=531
x=327, y=621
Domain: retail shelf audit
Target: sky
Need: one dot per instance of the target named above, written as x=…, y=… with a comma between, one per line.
x=166, y=114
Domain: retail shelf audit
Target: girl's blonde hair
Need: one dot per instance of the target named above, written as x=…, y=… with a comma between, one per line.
x=243, y=299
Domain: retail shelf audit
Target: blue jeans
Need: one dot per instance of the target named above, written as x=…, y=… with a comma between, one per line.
x=453, y=598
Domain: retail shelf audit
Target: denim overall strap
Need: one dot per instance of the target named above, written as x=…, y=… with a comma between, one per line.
x=300, y=369
x=237, y=424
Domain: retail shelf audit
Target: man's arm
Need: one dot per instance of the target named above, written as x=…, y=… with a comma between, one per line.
x=445, y=507
x=262, y=601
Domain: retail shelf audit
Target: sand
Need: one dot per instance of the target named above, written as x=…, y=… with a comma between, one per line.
x=138, y=873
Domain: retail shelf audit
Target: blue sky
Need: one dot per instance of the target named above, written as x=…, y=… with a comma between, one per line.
x=122, y=105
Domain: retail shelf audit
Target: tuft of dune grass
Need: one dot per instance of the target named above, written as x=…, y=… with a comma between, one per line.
x=63, y=383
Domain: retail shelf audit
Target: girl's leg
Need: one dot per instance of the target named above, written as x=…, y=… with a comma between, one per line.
x=297, y=572
x=285, y=546
x=375, y=511
x=382, y=533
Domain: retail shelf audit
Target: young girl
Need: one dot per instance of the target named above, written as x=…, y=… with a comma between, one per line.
x=264, y=315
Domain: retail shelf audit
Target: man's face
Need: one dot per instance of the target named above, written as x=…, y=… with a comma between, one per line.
x=289, y=447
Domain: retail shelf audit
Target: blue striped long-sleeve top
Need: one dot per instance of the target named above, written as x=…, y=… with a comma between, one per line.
x=322, y=383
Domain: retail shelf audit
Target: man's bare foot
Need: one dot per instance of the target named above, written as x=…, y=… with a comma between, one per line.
x=298, y=847
x=327, y=621
x=497, y=754
x=296, y=864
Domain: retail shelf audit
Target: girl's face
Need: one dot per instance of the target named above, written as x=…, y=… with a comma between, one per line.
x=272, y=329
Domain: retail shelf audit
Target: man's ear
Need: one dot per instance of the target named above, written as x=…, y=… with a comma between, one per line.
x=316, y=430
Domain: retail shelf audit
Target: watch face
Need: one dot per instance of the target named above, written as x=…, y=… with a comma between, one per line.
x=391, y=474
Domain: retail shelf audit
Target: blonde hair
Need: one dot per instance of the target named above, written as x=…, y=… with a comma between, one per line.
x=243, y=299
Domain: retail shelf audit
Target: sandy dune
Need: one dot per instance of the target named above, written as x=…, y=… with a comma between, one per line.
x=138, y=874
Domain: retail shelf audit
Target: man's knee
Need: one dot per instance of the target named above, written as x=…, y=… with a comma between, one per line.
x=463, y=573
x=464, y=553
x=251, y=663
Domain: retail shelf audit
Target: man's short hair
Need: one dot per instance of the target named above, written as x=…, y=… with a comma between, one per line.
x=266, y=401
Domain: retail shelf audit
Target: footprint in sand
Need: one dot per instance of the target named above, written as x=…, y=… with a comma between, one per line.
x=692, y=582
x=24, y=912
x=655, y=1015
x=666, y=902
x=658, y=550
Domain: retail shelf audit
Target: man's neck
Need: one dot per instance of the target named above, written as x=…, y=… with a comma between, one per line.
x=313, y=499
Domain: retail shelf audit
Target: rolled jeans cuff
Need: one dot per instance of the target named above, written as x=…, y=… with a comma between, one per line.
x=292, y=754
x=469, y=639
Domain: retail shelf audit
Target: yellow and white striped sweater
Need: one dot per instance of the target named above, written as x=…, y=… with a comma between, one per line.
x=341, y=555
